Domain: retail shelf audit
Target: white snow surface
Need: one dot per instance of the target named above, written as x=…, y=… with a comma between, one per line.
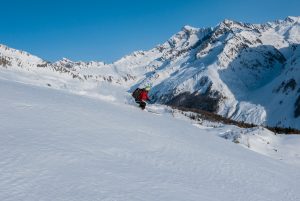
x=57, y=145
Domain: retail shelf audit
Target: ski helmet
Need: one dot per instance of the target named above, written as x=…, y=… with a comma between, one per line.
x=147, y=88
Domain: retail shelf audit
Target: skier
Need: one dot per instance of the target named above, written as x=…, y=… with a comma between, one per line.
x=141, y=96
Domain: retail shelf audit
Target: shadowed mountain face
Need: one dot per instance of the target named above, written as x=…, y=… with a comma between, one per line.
x=247, y=72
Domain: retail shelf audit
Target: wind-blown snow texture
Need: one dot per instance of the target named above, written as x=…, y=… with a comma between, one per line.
x=55, y=145
x=247, y=72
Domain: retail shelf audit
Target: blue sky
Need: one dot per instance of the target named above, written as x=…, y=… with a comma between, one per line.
x=106, y=30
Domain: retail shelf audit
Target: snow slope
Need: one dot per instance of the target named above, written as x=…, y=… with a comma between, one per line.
x=55, y=145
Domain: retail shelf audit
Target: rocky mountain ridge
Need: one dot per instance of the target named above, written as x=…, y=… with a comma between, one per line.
x=246, y=72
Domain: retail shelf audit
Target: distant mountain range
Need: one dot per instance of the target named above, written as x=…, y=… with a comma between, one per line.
x=246, y=72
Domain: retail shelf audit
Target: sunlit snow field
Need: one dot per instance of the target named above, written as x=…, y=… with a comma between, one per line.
x=97, y=145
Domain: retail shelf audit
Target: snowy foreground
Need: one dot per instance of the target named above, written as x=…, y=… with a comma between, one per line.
x=59, y=146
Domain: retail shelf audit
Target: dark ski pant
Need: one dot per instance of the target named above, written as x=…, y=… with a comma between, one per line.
x=142, y=104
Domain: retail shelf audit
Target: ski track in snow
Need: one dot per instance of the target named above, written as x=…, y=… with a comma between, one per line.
x=59, y=146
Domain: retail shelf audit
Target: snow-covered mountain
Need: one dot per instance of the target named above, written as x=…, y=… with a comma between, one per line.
x=247, y=72
x=57, y=145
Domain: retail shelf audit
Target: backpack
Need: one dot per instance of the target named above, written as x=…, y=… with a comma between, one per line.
x=136, y=93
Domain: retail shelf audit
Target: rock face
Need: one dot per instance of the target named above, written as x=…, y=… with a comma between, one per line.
x=247, y=72
x=297, y=107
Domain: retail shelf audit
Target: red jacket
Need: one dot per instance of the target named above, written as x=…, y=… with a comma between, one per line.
x=143, y=96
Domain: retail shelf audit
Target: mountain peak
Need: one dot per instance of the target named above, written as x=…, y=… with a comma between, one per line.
x=66, y=60
x=228, y=21
x=189, y=28
x=293, y=19
x=231, y=23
